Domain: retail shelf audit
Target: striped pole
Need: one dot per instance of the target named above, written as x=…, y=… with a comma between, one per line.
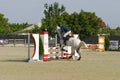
x=101, y=42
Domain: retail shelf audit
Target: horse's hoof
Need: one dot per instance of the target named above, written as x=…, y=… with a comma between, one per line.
x=70, y=57
x=79, y=58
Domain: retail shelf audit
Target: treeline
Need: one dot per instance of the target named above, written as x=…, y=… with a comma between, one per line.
x=83, y=23
x=10, y=28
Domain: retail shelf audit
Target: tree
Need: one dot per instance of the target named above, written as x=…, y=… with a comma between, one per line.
x=4, y=27
x=107, y=42
x=36, y=29
x=52, y=14
x=14, y=27
x=114, y=32
x=90, y=23
x=83, y=23
x=10, y=28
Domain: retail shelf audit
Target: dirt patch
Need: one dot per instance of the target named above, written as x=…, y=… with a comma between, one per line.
x=92, y=66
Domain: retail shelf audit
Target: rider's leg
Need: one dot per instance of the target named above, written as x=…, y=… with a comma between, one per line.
x=62, y=44
x=65, y=39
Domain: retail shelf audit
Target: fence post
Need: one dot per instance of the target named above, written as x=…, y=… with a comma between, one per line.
x=56, y=40
x=28, y=46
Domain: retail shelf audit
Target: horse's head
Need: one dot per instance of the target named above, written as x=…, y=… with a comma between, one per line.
x=75, y=36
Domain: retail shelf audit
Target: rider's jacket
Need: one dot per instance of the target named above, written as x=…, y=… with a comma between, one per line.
x=64, y=29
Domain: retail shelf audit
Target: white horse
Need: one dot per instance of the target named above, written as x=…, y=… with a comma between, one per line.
x=75, y=44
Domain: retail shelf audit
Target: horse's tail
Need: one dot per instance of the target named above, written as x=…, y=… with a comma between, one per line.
x=82, y=43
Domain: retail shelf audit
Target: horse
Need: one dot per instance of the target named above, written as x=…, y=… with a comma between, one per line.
x=75, y=43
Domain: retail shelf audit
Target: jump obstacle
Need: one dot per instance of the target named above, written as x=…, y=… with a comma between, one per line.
x=47, y=51
x=56, y=53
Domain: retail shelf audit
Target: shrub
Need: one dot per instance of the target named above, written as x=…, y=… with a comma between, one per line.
x=107, y=42
x=41, y=49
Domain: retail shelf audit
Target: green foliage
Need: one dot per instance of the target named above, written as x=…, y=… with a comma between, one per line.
x=4, y=27
x=36, y=29
x=107, y=42
x=15, y=27
x=9, y=28
x=41, y=49
x=115, y=32
x=84, y=23
x=52, y=16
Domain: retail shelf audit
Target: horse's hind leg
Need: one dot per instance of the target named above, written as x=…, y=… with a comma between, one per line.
x=79, y=55
x=78, y=51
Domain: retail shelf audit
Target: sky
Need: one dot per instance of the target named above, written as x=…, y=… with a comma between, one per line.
x=31, y=11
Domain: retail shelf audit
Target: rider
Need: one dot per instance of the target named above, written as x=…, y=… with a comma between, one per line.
x=65, y=32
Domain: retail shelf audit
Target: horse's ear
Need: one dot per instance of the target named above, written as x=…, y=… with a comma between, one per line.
x=57, y=27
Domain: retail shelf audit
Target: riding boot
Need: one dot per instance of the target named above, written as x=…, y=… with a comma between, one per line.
x=65, y=41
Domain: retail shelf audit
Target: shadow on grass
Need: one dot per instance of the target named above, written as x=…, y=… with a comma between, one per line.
x=15, y=60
